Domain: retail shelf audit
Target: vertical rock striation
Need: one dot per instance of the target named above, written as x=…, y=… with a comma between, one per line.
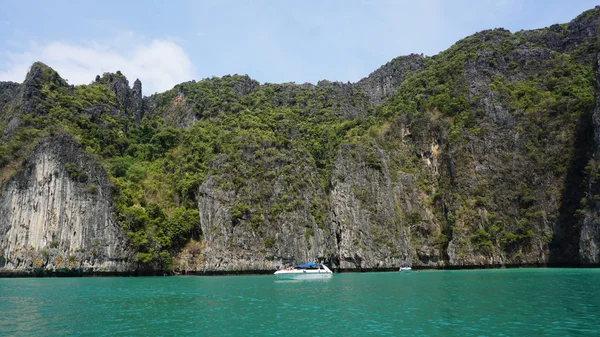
x=378, y=215
x=56, y=214
x=589, y=240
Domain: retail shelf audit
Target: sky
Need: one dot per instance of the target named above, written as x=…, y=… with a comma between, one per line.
x=168, y=42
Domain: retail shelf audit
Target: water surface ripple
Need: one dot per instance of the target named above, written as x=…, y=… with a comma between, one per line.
x=513, y=302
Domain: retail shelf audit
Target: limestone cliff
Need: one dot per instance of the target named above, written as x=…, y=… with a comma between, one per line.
x=56, y=213
x=380, y=216
x=485, y=154
x=589, y=239
x=256, y=226
x=383, y=83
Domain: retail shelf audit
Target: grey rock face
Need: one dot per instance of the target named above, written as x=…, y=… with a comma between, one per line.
x=31, y=89
x=589, y=244
x=236, y=238
x=377, y=213
x=12, y=124
x=589, y=240
x=8, y=92
x=56, y=213
x=228, y=246
x=130, y=99
x=569, y=36
x=137, y=102
x=383, y=82
x=487, y=162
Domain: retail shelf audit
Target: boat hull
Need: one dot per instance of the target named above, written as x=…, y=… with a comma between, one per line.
x=307, y=271
x=302, y=275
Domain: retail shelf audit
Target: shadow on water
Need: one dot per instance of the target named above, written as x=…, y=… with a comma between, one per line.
x=323, y=280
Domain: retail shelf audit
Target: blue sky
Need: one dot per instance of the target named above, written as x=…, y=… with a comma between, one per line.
x=168, y=42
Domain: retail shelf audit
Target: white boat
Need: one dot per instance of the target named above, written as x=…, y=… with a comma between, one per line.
x=405, y=267
x=304, y=272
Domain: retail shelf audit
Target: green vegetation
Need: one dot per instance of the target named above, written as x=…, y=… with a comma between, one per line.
x=269, y=136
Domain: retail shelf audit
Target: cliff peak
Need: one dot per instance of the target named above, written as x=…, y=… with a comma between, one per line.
x=383, y=82
x=39, y=74
x=590, y=13
x=39, y=79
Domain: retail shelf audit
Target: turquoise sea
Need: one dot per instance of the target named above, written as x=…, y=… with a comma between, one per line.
x=506, y=302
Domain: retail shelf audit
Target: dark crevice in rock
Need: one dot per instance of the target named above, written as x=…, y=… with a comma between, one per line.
x=565, y=243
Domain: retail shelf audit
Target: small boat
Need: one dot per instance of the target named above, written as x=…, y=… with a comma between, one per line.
x=405, y=267
x=304, y=272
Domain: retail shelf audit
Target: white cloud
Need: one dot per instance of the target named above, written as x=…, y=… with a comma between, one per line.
x=159, y=64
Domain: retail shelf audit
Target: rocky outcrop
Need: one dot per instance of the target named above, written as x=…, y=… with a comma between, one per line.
x=130, y=99
x=31, y=95
x=589, y=244
x=263, y=223
x=383, y=82
x=589, y=239
x=378, y=215
x=582, y=30
x=8, y=92
x=56, y=214
x=136, y=104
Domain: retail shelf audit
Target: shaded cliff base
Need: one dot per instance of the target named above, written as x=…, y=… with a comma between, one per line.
x=91, y=273
x=77, y=273
x=414, y=268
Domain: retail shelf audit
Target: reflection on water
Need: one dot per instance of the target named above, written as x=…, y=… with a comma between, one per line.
x=525, y=302
x=304, y=280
